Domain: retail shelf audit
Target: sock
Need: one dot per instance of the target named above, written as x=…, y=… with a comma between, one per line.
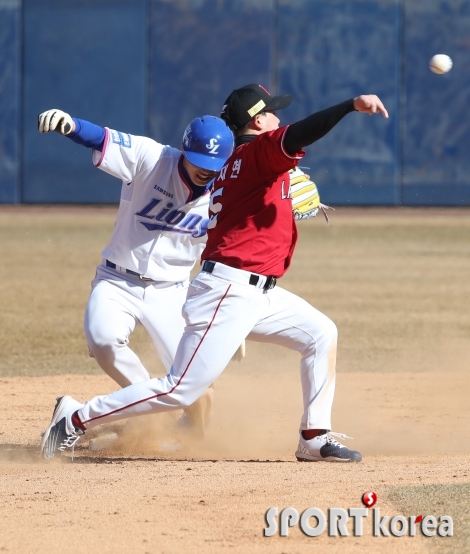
x=76, y=421
x=310, y=434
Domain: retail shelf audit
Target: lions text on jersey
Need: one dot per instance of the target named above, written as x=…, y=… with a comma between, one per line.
x=159, y=231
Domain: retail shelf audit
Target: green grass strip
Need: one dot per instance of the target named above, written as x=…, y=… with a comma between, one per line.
x=438, y=500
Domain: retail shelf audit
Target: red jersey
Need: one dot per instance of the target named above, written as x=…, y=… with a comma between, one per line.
x=251, y=223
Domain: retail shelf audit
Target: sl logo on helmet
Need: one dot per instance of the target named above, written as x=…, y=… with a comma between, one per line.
x=212, y=146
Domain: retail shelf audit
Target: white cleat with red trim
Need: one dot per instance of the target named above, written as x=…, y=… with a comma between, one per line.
x=61, y=433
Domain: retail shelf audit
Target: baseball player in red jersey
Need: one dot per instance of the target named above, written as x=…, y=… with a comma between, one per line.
x=251, y=239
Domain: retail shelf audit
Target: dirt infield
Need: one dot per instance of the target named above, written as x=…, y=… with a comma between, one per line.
x=395, y=282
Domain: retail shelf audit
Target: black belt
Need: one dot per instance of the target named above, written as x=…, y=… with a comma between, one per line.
x=270, y=282
x=113, y=266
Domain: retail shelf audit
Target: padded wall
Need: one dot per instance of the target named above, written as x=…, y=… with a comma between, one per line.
x=332, y=51
x=10, y=100
x=436, y=133
x=150, y=66
x=88, y=58
x=199, y=52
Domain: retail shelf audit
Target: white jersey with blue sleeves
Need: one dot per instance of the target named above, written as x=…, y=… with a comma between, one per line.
x=159, y=232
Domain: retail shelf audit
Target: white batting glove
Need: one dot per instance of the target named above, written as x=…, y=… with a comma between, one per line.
x=55, y=120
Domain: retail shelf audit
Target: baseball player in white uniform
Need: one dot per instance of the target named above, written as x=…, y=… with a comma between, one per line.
x=160, y=231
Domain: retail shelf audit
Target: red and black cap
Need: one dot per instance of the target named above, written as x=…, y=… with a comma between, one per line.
x=246, y=102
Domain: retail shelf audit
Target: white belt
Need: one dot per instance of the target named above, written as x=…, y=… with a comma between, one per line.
x=239, y=275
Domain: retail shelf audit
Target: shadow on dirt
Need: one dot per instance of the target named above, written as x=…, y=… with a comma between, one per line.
x=79, y=459
x=30, y=454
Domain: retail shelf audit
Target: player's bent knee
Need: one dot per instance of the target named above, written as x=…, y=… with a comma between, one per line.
x=331, y=332
x=101, y=352
x=323, y=337
x=104, y=340
x=103, y=348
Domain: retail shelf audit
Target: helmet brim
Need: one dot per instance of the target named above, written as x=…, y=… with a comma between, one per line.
x=210, y=163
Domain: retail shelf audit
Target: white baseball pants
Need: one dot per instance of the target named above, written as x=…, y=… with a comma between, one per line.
x=221, y=310
x=117, y=303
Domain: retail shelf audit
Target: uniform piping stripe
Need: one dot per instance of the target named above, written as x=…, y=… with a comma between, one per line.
x=283, y=149
x=105, y=146
x=180, y=379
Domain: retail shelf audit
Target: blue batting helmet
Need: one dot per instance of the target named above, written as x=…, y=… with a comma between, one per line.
x=208, y=142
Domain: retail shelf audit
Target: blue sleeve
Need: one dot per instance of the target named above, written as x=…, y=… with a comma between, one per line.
x=87, y=134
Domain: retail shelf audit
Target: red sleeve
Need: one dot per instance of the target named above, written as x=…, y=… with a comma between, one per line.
x=270, y=155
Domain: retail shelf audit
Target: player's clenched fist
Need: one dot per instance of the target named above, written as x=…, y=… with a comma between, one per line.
x=55, y=120
x=371, y=104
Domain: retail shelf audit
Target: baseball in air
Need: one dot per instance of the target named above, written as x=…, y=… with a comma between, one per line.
x=440, y=64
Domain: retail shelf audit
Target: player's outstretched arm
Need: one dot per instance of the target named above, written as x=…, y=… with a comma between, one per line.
x=315, y=126
x=79, y=131
x=56, y=120
x=371, y=104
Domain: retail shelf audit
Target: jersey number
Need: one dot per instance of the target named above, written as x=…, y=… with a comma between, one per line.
x=214, y=208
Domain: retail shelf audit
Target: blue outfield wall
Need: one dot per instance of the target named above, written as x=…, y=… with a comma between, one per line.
x=199, y=52
x=88, y=59
x=436, y=133
x=150, y=66
x=332, y=51
x=10, y=100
